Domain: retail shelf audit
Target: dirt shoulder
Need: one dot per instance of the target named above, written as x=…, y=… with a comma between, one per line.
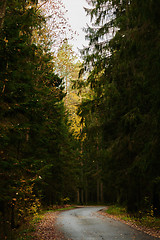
x=46, y=228
x=149, y=231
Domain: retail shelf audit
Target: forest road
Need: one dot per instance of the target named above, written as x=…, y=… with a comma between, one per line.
x=86, y=224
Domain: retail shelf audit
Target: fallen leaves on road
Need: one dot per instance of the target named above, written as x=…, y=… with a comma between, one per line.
x=46, y=228
x=149, y=231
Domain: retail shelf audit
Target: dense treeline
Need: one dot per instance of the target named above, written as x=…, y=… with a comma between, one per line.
x=116, y=156
x=36, y=148
x=121, y=113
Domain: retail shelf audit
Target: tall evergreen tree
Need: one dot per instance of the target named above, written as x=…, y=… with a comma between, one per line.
x=126, y=87
x=35, y=143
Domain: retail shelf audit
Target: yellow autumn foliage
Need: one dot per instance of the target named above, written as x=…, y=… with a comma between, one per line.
x=26, y=202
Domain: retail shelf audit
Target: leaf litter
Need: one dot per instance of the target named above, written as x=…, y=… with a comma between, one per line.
x=150, y=231
x=46, y=229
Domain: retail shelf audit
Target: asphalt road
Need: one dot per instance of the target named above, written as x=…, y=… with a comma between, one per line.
x=86, y=224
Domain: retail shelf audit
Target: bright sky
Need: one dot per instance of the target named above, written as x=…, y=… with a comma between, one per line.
x=78, y=20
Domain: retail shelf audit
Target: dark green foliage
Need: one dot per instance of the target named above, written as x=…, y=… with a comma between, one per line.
x=125, y=80
x=36, y=149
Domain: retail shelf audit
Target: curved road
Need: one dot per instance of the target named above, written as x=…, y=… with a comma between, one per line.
x=86, y=224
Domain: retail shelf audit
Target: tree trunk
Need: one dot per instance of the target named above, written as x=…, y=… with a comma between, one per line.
x=86, y=193
x=102, y=200
x=78, y=198
x=98, y=190
x=82, y=196
x=2, y=12
x=156, y=200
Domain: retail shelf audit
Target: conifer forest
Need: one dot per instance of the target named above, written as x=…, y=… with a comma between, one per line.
x=79, y=131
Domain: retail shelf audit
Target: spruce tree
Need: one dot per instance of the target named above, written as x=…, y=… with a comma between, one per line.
x=127, y=88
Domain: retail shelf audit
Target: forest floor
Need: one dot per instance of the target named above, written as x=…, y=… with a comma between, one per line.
x=45, y=228
x=135, y=223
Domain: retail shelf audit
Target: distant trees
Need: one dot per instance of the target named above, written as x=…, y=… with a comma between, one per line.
x=65, y=63
x=121, y=120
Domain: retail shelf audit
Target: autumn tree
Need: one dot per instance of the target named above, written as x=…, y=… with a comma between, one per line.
x=64, y=63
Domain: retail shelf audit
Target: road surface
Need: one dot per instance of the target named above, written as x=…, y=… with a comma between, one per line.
x=86, y=224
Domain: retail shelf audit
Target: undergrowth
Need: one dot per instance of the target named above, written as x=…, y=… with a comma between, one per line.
x=26, y=231
x=145, y=219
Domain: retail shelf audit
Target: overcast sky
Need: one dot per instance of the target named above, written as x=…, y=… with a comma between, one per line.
x=78, y=20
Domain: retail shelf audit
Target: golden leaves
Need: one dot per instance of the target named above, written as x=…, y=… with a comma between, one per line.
x=5, y=40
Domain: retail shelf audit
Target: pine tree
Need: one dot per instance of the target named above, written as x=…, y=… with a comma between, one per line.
x=125, y=86
x=35, y=143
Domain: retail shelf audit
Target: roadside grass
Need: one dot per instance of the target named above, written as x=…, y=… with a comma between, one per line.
x=59, y=208
x=150, y=221
x=67, y=208
x=116, y=210
x=141, y=219
x=25, y=232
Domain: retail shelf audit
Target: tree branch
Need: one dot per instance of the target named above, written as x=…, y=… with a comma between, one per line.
x=41, y=5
